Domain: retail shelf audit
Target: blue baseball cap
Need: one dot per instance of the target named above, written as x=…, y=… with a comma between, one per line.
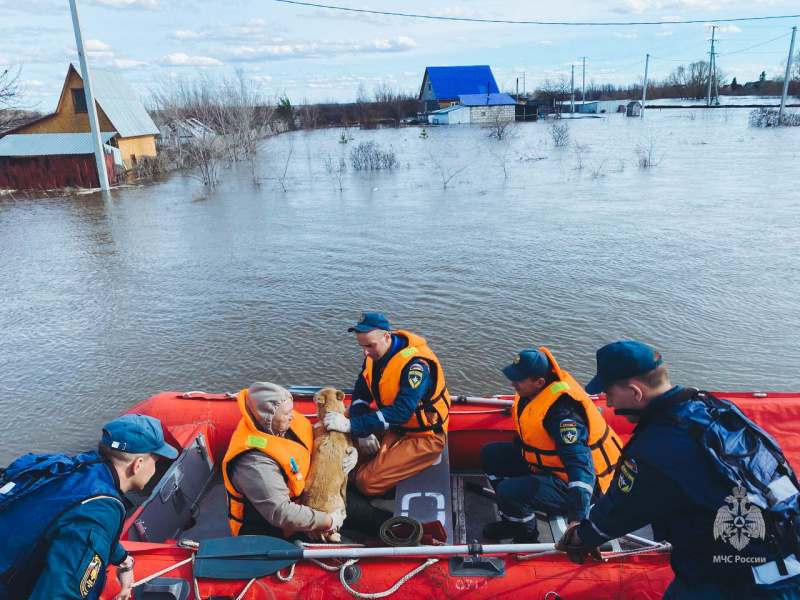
x=370, y=321
x=529, y=363
x=137, y=434
x=621, y=360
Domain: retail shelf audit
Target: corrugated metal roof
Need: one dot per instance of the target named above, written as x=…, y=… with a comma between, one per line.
x=451, y=82
x=50, y=144
x=483, y=100
x=120, y=103
x=448, y=109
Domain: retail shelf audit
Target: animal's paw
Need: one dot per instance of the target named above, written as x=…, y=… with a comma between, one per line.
x=335, y=537
x=316, y=536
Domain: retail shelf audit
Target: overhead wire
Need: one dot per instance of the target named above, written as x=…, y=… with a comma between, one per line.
x=756, y=46
x=515, y=22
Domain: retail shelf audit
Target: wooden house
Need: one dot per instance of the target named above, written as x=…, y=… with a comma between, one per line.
x=118, y=110
x=46, y=161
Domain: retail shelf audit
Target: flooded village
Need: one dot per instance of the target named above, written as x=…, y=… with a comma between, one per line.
x=210, y=217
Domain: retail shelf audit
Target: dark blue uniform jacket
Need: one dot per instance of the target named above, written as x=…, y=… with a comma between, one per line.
x=363, y=421
x=665, y=478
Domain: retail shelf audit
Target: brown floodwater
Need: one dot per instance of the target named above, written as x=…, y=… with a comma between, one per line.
x=108, y=299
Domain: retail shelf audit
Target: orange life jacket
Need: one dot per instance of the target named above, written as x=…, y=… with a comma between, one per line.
x=293, y=458
x=539, y=449
x=431, y=416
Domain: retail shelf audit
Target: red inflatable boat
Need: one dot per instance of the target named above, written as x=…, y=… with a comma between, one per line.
x=185, y=507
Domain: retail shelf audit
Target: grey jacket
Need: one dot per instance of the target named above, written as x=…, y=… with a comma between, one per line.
x=261, y=480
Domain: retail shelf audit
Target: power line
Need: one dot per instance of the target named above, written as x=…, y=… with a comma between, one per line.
x=757, y=45
x=510, y=22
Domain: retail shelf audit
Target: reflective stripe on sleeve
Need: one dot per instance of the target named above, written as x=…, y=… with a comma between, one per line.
x=379, y=414
x=354, y=402
x=516, y=519
x=581, y=484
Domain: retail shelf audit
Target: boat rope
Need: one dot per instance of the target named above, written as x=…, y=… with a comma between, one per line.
x=388, y=592
x=185, y=544
x=342, y=570
x=286, y=578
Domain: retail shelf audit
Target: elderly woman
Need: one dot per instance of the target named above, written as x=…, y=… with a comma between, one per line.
x=267, y=464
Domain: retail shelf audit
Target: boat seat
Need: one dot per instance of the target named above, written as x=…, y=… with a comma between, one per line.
x=425, y=496
x=171, y=504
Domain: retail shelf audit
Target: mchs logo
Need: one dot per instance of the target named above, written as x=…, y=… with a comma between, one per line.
x=737, y=523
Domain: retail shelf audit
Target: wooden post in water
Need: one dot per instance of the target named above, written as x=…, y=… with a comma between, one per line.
x=786, y=78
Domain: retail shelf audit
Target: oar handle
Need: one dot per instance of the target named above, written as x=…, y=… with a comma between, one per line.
x=424, y=551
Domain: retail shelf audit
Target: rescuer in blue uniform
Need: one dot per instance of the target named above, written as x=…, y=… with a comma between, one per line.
x=552, y=466
x=61, y=517
x=723, y=544
x=405, y=380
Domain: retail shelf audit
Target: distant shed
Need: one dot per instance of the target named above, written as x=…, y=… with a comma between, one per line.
x=634, y=109
x=44, y=161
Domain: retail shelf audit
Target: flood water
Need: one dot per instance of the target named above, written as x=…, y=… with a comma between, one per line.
x=106, y=300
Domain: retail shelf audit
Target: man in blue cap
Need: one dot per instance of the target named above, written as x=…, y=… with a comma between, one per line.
x=405, y=380
x=563, y=456
x=62, y=516
x=708, y=479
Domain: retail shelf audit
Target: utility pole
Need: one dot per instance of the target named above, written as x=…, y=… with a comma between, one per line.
x=711, y=66
x=644, y=86
x=584, y=79
x=523, y=83
x=572, y=92
x=94, y=124
x=786, y=78
x=517, y=89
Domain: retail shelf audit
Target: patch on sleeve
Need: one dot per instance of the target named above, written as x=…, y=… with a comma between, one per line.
x=91, y=575
x=627, y=474
x=568, y=430
x=415, y=374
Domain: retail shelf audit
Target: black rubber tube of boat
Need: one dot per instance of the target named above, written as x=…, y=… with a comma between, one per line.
x=391, y=538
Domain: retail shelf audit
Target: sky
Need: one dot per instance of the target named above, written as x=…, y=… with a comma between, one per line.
x=315, y=54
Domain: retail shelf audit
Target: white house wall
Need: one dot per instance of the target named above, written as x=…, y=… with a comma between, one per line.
x=486, y=115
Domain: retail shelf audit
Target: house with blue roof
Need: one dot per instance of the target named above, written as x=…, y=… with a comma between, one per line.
x=442, y=86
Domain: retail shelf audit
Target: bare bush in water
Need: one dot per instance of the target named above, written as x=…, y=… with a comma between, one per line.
x=647, y=153
x=369, y=156
x=500, y=128
x=580, y=151
x=336, y=167
x=768, y=117
x=447, y=172
x=214, y=119
x=560, y=134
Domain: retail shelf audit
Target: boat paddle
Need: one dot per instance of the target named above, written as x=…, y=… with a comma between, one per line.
x=250, y=556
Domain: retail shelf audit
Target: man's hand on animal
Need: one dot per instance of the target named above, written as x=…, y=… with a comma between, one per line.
x=369, y=445
x=337, y=422
x=337, y=518
x=350, y=459
x=577, y=550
